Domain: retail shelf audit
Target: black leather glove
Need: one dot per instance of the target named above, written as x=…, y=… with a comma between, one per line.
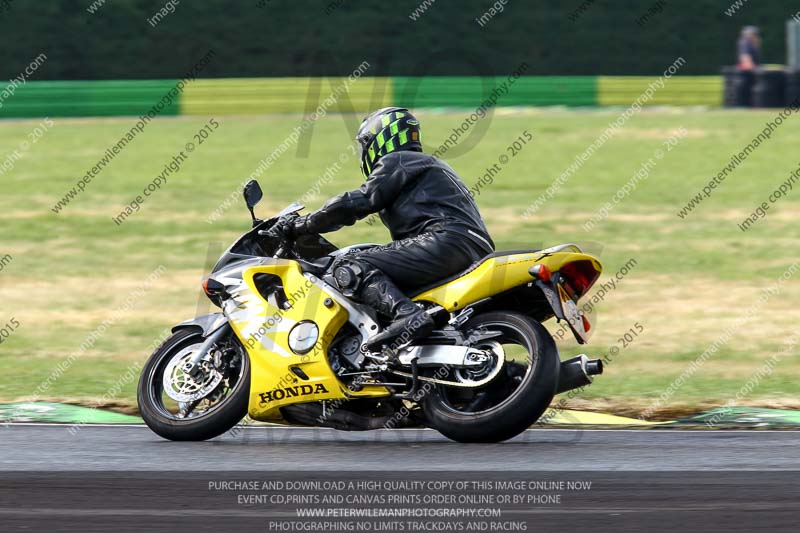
x=290, y=226
x=300, y=226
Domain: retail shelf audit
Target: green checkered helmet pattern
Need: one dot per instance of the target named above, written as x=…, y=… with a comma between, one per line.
x=384, y=131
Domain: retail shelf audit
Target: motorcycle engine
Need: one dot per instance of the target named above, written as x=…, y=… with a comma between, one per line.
x=345, y=351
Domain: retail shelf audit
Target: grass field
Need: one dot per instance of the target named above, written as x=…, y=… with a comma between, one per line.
x=63, y=274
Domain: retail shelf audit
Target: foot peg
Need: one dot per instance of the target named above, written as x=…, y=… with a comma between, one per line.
x=402, y=331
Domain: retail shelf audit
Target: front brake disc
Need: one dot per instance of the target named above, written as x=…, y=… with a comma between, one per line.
x=184, y=385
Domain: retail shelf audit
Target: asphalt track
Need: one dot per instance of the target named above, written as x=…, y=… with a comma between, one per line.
x=125, y=478
x=94, y=448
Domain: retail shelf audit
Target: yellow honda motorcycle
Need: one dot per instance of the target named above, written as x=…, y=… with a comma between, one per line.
x=287, y=345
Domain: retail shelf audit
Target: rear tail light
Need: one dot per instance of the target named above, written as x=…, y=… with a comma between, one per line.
x=580, y=275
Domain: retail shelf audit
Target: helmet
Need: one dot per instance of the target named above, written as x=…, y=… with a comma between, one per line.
x=387, y=130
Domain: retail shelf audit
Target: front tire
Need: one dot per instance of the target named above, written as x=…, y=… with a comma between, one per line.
x=514, y=399
x=231, y=394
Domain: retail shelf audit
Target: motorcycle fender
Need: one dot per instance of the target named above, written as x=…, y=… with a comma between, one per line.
x=558, y=305
x=552, y=298
x=208, y=323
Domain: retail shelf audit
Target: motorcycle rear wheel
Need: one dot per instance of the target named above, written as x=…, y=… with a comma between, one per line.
x=230, y=394
x=514, y=399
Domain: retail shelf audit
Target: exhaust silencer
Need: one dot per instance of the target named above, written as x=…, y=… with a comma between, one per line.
x=577, y=372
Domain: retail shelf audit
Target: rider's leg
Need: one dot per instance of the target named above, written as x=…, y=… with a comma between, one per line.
x=365, y=283
x=386, y=273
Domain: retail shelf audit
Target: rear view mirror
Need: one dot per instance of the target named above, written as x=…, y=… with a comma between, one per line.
x=252, y=194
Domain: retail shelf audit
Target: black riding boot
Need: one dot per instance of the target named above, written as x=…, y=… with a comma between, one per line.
x=408, y=320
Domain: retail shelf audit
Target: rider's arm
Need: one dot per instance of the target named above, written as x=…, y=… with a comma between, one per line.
x=384, y=185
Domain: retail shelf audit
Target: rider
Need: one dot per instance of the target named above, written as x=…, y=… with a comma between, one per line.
x=434, y=223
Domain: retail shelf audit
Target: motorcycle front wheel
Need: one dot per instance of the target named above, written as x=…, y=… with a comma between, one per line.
x=184, y=405
x=516, y=385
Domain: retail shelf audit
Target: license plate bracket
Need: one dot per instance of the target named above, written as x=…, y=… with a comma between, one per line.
x=572, y=315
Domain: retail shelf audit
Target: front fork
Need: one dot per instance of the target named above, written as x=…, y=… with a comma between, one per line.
x=192, y=367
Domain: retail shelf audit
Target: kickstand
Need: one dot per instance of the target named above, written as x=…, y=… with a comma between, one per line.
x=414, y=382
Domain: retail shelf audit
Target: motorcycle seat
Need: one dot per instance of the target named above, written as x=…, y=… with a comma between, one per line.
x=473, y=266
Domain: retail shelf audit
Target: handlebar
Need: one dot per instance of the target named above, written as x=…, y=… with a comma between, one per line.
x=281, y=248
x=278, y=232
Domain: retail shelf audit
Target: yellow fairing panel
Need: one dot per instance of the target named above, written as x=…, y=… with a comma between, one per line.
x=264, y=330
x=496, y=275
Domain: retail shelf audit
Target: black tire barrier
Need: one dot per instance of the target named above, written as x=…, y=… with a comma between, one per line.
x=792, y=88
x=770, y=88
x=738, y=87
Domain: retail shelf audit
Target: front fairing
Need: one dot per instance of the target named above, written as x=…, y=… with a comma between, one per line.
x=248, y=246
x=252, y=245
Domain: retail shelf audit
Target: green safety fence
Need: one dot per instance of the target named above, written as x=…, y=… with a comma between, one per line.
x=473, y=91
x=88, y=98
x=677, y=91
x=237, y=96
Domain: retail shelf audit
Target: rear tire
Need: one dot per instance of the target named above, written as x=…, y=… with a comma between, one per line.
x=221, y=419
x=527, y=401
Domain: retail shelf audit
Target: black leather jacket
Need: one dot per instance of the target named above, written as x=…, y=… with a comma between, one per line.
x=414, y=193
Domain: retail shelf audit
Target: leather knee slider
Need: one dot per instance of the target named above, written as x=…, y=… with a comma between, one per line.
x=350, y=276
